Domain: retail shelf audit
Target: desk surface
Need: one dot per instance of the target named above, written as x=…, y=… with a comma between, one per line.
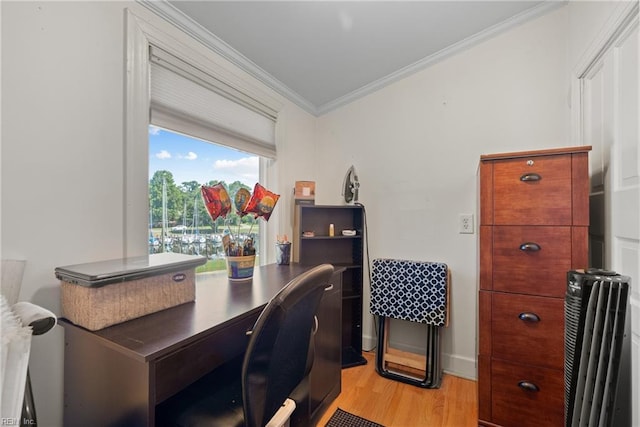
x=218, y=302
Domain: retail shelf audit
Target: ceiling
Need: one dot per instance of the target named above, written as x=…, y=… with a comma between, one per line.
x=324, y=54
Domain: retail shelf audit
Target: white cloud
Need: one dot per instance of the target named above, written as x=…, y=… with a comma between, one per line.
x=244, y=169
x=154, y=130
x=244, y=163
x=189, y=156
x=164, y=154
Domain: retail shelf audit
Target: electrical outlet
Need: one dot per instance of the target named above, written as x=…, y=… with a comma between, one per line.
x=466, y=224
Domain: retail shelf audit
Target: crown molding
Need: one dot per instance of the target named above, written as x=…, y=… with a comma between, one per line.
x=171, y=14
x=430, y=60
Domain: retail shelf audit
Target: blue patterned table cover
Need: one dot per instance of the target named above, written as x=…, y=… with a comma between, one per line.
x=409, y=290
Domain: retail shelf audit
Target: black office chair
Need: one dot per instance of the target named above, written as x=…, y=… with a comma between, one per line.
x=274, y=368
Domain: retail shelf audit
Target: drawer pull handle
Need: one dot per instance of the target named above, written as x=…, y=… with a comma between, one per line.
x=529, y=317
x=530, y=247
x=530, y=177
x=528, y=386
x=329, y=288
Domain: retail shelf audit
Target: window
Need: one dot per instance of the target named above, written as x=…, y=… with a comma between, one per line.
x=192, y=102
x=174, y=82
x=178, y=220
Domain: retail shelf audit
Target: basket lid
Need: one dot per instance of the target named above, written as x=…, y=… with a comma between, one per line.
x=96, y=274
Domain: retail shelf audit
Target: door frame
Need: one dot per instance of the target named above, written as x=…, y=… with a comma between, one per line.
x=622, y=20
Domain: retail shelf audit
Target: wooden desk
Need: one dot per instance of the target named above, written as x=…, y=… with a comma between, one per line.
x=117, y=376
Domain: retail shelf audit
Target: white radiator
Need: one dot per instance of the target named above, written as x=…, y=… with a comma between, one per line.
x=14, y=362
x=597, y=349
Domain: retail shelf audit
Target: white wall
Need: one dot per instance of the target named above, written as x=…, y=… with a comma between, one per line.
x=62, y=155
x=416, y=145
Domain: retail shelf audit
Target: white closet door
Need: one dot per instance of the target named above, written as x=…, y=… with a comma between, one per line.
x=610, y=124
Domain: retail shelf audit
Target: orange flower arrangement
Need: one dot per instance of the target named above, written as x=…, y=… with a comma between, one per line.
x=260, y=204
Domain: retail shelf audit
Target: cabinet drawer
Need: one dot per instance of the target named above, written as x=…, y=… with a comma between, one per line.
x=515, y=405
x=533, y=190
x=531, y=260
x=528, y=329
x=181, y=368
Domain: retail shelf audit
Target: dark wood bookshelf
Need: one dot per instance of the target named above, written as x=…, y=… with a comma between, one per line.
x=341, y=251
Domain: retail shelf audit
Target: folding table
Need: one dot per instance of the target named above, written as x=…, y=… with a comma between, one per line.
x=415, y=291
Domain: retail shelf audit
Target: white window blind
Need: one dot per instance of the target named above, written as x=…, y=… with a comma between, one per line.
x=188, y=100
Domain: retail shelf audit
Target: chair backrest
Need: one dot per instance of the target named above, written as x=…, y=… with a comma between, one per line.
x=276, y=357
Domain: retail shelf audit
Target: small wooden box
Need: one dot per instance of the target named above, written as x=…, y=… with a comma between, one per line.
x=101, y=294
x=305, y=190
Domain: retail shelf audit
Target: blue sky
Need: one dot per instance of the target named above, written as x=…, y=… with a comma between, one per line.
x=190, y=159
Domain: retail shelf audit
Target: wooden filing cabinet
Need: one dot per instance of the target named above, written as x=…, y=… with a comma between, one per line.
x=534, y=218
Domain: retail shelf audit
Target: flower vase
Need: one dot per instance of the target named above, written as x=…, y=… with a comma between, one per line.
x=240, y=267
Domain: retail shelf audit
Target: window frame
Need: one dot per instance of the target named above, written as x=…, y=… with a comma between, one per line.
x=142, y=32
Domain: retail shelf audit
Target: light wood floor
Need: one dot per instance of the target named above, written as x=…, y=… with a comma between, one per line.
x=396, y=404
